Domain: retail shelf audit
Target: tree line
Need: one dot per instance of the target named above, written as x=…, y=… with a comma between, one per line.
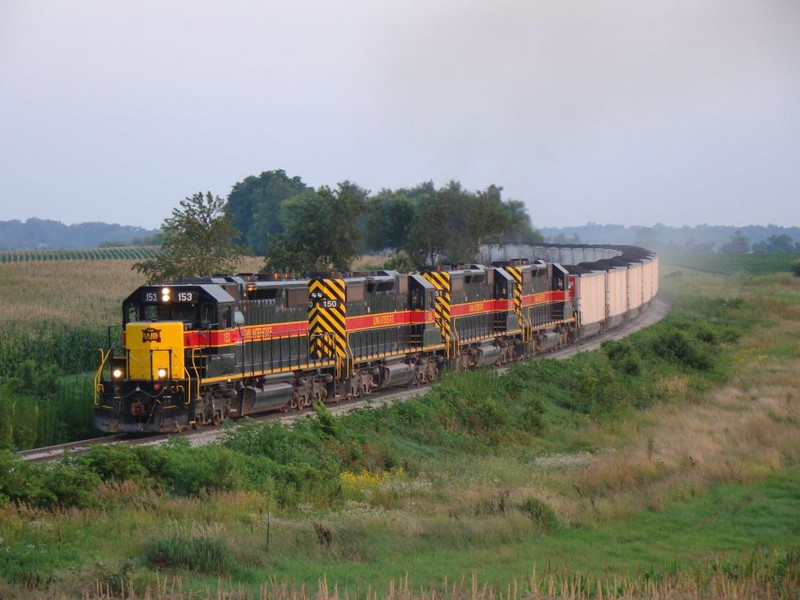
x=300, y=229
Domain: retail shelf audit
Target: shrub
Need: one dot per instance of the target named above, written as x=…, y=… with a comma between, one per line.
x=593, y=387
x=206, y=468
x=115, y=463
x=196, y=553
x=542, y=515
x=624, y=357
x=678, y=347
x=68, y=486
x=28, y=566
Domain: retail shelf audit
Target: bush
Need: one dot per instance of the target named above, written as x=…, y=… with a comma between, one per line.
x=28, y=566
x=594, y=388
x=68, y=486
x=189, y=470
x=678, y=347
x=189, y=552
x=46, y=485
x=795, y=268
x=115, y=463
x=542, y=515
x=624, y=357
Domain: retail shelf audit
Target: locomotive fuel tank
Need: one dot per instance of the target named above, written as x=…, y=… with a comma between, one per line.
x=267, y=398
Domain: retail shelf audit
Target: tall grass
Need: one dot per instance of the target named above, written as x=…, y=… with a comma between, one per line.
x=53, y=319
x=45, y=412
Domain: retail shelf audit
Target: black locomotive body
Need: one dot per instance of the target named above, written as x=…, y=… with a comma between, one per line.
x=203, y=350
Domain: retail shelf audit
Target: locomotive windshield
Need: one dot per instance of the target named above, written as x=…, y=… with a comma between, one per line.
x=163, y=304
x=178, y=311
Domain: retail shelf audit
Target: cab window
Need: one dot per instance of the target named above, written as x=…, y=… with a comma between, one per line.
x=131, y=313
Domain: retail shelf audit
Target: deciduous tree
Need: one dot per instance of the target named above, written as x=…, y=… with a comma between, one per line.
x=320, y=232
x=198, y=241
x=255, y=206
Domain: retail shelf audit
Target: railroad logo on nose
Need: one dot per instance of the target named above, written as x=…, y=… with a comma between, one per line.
x=151, y=334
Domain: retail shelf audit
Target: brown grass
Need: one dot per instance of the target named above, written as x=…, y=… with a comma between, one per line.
x=79, y=292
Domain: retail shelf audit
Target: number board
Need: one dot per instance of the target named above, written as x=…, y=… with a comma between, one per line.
x=318, y=299
x=155, y=296
x=184, y=296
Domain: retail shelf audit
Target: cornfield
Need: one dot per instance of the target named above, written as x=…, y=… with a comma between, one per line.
x=112, y=253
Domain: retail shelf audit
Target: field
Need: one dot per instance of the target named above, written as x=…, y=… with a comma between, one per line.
x=71, y=292
x=54, y=317
x=666, y=465
x=728, y=264
x=133, y=253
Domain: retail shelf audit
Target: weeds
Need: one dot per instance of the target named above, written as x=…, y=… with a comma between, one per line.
x=196, y=550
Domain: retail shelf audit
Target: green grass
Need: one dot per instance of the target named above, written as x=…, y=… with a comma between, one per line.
x=371, y=549
x=727, y=264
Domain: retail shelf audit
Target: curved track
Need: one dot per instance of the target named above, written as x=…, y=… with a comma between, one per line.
x=657, y=311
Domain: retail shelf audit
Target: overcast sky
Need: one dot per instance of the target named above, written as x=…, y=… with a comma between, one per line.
x=626, y=112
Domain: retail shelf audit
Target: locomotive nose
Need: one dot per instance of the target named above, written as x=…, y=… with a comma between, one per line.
x=155, y=350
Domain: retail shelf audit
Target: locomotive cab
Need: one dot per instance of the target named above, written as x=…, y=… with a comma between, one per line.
x=150, y=385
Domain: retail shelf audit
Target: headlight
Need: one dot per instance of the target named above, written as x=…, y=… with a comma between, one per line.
x=165, y=294
x=162, y=372
x=117, y=373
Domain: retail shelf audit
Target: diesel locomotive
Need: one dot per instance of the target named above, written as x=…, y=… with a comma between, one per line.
x=203, y=350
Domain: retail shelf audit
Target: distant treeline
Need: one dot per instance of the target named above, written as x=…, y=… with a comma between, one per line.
x=42, y=234
x=696, y=239
x=271, y=209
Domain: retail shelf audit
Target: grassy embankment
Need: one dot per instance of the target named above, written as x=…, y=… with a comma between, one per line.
x=54, y=316
x=665, y=463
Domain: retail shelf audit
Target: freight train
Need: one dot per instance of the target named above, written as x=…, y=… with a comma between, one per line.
x=203, y=350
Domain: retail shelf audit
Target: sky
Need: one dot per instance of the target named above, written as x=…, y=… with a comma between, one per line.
x=607, y=111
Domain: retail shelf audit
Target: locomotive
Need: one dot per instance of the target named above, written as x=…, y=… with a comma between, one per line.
x=203, y=350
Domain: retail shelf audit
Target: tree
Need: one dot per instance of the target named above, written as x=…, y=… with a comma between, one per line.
x=198, y=241
x=451, y=224
x=775, y=244
x=428, y=237
x=389, y=219
x=738, y=244
x=520, y=230
x=255, y=206
x=320, y=232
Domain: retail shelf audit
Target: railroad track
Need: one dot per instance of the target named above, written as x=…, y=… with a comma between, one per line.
x=201, y=437
x=69, y=449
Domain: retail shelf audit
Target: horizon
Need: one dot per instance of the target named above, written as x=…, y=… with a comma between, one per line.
x=587, y=224
x=623, y=113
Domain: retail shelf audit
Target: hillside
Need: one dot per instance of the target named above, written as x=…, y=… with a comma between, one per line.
x=42, y=234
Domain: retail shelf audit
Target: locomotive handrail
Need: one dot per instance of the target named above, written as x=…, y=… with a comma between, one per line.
x=454, y=343
x=98, y=387
x=526, y=326
x=189, y=397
